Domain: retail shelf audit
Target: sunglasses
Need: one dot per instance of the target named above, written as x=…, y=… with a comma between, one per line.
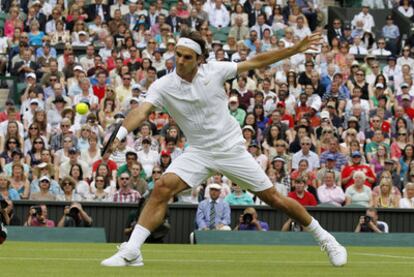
x=67, y=184
x=126, y=78
x=280, y=145
x=38, y=142
x=124, y=178
x=33, y=128
x=52, y=80
x=359, y=74
x=305, y=143
x=44, y=181
x=64, y=126
x=156, y=172
x=402, y=134
x=14, y=142
x=67, y=141
x=99, y=180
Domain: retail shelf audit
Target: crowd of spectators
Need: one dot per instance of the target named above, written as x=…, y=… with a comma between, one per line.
x=327, y=127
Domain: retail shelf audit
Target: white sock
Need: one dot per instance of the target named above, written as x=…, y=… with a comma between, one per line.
x=316, y=230
x=138, y=237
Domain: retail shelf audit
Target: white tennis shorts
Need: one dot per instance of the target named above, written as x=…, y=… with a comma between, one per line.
x=194, y=166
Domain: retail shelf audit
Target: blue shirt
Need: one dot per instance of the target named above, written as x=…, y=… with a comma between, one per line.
x=13, y=194
x=391, y=31
x=36, y=40
x=203, y=213
x=54, y=188
x=340, y=159
x=244, y=199
x=252, y=227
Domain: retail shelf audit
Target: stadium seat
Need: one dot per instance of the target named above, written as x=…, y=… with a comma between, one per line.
x=327, y=205
x=352, y=205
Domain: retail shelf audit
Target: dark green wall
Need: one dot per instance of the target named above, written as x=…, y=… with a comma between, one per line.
x=113, y=218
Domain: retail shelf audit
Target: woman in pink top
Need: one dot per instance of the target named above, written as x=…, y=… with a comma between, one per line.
x=12, y=22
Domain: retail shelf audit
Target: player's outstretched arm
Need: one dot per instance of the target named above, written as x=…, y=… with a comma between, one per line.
x=267, y=58
x=134, y=119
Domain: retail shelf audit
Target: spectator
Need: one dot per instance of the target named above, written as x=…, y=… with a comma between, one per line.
x=385, y=197
x=238, y=113
x=348, y=171
x=75, y=216
x=99, y=194
x=213, y=213
x=370, y=223
x=147, y=157
x=408, y=200
x=38, y=217
x=358, y=193
x=304, y=197
x=68, y=185
x=307, y=154
x=249, y=221
x=137, y=181
x=238, y=196
x=44, y=194
x=125, y=194
x=6, y=191
x=329, y=192
x=65, y=167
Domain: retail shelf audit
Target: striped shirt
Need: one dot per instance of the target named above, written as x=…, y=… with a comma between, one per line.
x=127, y=196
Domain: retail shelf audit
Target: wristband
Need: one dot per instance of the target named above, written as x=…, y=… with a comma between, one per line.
x=122, y=133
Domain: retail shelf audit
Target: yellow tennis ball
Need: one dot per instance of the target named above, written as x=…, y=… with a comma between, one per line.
x=82, y=108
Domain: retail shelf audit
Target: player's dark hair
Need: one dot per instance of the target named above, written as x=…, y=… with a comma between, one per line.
x=196, y=36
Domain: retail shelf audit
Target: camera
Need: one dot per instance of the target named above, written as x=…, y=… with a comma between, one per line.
x=38, y=210
x=367, y=219
x=247, y=219
x=73, y=212
x=3, y=204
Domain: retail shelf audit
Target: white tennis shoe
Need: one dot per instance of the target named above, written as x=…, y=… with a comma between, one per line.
x=124, y=257
x=337, y=253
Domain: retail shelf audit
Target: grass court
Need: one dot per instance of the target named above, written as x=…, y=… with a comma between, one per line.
x=82, y=259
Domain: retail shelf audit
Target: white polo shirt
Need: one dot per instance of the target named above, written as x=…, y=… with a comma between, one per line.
x=200, y=107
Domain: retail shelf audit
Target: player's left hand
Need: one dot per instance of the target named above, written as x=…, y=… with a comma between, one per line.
x=309, y=43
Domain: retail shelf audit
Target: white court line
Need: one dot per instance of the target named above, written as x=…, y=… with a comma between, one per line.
x=383, y=255
x=201, y=261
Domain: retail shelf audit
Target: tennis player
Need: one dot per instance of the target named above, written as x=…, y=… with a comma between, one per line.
x=194, y=96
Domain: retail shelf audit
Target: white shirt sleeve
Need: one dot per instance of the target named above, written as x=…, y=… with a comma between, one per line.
x=154, y=97
x=228, y=70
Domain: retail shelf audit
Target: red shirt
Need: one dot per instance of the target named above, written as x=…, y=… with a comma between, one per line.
x=4, y=116
x=347, y=171
x=307, y=200
x=410, y=112
x=288, y=117
x=99, y=92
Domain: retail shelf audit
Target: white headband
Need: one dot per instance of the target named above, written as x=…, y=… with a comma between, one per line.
x=189, y=43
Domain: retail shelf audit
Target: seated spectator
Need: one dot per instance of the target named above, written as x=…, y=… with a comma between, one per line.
x=38, y=217
x=75, y=216
x=137, y=182
x=17, y=156
x=329, y=166
x=82, y=187
x=408, y=200
x=291, y=226
x=45, y=169
x=99, y=194
x=238, y=196
x=307, y=154
x=347, y=174
x=330, y=192
x=213, y=213
x=304, y=173
x=156, y=175
x=6, y=191
x=248, y=221
x=125, y=194
x=385, y=197
x=65, y=167
x=68, y=185
x=304, y=197
x=44, y=194
x=370, y=223
x=358, y=193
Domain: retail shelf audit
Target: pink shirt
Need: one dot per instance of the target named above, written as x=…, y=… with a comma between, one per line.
x=36, y=223
x=332, y=195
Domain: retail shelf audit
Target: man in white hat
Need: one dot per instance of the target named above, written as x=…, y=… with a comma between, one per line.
x=194, y=96
x=235, y=111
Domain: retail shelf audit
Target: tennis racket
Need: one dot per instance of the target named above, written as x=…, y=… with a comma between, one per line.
x=111, y=139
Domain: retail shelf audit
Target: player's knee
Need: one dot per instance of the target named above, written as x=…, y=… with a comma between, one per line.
x=164, y=188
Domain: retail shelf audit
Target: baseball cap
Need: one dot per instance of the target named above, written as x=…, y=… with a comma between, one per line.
x=253, y=143
x=42, y=165
x=82, y=33
x=17, y=151
x=391, y=58
x=299, y=180
x=165, y=153
x=355, y=63
x=119, y=115
x=248, y=127
x=34, y=101
x=356, y=154
x=73, y=150
x=233, y=99
x=379, y=85
x=136, y=86
x=370, y=56
x=78, y=67
x=44, y=178
x=31, y=75
x=171, y=41
x=324, y=114
x=281, y=104
x=214, y=186
x=216, y=42
x=330, y=157
x=404, y=85
x=278, y=159
x=405, y=97
x=9, y=102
